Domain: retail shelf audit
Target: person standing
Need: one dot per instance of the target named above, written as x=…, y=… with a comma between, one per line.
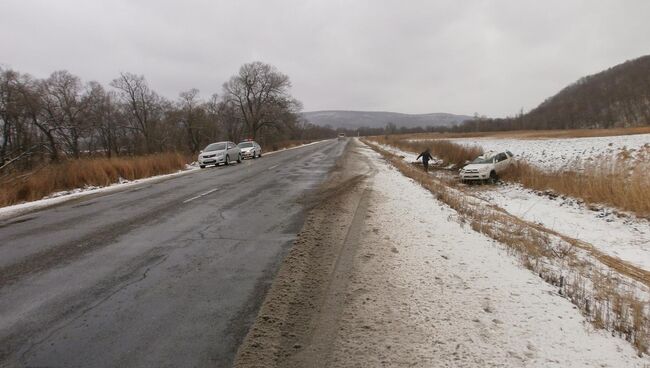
x=426, y=156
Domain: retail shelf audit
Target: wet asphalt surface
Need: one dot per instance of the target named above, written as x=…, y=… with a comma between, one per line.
x=165, y=274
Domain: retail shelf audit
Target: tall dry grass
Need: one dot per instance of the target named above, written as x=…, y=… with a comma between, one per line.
x=73, y=174
x=448, y=152
x=618, y=181
x=609, y=182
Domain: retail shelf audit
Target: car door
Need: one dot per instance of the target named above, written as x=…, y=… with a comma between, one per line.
x=502, y=162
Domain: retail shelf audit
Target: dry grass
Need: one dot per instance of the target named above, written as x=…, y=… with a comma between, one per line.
x=620, y=182
x=608, y=182
x=448, y=152
x=532, y=134
x=73, y=174
x=583, y=274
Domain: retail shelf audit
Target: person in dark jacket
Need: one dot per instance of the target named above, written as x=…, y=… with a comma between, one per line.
x=426, y=156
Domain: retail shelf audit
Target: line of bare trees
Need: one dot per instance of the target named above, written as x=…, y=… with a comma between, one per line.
x=60, y=117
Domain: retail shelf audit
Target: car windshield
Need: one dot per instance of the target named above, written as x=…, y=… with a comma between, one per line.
x=245, y=144
x=215, y=147
x=482, y=160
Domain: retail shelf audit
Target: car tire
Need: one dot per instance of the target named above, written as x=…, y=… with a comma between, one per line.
x=202, y=166
x=494, y=178
x=259, y=154
x=227, y=162
x=239, y=158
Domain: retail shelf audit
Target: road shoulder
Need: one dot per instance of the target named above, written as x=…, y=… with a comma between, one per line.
x=297, y=321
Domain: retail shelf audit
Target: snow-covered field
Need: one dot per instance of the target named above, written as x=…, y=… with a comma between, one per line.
x=431, y=292
x=564, y=153
x=627, y=238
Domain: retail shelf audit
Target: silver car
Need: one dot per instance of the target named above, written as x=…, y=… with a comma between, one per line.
x=250, y=149
x=219, y=153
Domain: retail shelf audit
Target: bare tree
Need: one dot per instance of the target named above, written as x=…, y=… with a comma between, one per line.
x=142, y=105
x=64, y=105
x=261, y=94
x=192, y=117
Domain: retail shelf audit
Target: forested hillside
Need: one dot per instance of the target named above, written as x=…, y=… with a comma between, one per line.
x=381, y=119
x=616, y=97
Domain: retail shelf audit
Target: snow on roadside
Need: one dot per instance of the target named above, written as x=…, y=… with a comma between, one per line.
x=627, y=238
x=430, y=292
x=565, y=152
x=64, y=196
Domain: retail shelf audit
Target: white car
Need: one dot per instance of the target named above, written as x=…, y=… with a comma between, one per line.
x=219, y=153
x=487, y=166
x=250, y=149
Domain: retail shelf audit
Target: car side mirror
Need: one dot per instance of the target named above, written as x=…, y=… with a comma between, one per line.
x=201, y=151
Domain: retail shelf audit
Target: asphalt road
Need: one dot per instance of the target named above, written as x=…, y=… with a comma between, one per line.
x=165, y=274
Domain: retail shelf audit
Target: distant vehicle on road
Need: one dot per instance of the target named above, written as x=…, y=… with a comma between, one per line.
x=219, y=153
x=487, y=167
x=341, y=136
x=250, y=149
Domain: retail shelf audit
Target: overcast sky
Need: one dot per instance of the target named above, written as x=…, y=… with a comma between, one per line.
x=490, y=57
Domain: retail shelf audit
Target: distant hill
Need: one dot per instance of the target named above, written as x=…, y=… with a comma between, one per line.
x=616, y=97
x=379, y=119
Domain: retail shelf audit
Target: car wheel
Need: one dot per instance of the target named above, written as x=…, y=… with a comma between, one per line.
x=239, y=158
x=202, y=166
x=227, y=162
x=493, y=177
x=259, y=154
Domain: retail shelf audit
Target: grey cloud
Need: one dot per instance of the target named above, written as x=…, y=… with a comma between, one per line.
x=490, y=57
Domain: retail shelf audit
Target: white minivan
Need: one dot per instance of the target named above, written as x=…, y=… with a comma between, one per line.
x=219, y=153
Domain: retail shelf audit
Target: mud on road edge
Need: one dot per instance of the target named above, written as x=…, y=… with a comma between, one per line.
x=297, y=321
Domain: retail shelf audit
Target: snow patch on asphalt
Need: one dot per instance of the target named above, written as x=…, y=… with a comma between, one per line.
x=430, y=292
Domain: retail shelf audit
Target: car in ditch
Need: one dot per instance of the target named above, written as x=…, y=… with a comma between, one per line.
x=487, y=167
x=219, y=153
x=250, y=149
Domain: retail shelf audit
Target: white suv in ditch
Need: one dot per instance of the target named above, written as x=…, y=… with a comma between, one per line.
x=487, y=166
x=219, y=153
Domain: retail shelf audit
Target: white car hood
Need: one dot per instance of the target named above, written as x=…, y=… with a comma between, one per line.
x=210, y=153
x=478, y=167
